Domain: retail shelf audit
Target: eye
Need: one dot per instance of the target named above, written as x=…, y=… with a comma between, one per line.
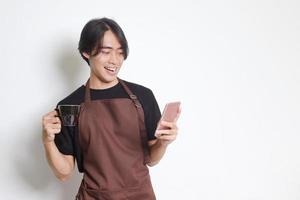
x=105, y=52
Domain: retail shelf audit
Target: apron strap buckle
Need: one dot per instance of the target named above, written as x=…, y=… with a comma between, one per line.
x=135, y=100
x=133, y=97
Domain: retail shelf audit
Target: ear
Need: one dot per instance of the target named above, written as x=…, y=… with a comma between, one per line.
x=87, y=56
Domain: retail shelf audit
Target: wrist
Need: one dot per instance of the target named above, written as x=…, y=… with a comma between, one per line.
x=47, y=141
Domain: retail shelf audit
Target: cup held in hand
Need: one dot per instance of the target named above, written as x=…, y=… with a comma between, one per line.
x=69, y=114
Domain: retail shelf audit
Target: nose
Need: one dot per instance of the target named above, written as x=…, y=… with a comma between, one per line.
x=113, y=58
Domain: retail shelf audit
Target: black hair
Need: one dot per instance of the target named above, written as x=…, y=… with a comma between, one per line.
x=91, y=38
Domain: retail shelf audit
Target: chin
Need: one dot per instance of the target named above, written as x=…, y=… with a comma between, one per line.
x=109, y=79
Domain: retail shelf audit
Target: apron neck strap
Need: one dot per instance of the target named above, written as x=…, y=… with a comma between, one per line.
x=141, y=117
x=87, y=96
x=131, y=95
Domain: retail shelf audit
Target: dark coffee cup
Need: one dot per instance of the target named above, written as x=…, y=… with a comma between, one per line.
x=69, y=114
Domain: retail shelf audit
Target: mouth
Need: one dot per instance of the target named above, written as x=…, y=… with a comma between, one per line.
x=111, y=69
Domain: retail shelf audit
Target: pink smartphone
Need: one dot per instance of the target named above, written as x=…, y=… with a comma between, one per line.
x=169, y=114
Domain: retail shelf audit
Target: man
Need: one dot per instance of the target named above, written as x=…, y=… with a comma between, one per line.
x=116, y=136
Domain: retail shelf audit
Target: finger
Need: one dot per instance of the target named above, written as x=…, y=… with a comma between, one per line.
x=170, y=125
x=51, y=114
x=53, y=120
x=55, y=126
x=165, y=132
x=167, y=137
x=52, y=129
x=56, y=130
x=50, y=122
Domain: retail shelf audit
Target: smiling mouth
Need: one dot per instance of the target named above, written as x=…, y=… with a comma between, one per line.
x=111, y=69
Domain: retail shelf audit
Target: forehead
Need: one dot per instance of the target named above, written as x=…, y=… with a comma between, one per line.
x=111, y=40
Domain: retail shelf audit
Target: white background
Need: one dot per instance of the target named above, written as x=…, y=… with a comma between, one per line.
x=235, y=65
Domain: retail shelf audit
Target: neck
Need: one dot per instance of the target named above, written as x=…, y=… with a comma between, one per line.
x=96, y=83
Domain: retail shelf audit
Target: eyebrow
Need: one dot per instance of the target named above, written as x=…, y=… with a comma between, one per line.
x=107, y=47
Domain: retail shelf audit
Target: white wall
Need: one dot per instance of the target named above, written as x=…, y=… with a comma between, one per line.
x=234, y=65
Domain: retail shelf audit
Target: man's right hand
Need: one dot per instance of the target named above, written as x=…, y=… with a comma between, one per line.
x=51, y=126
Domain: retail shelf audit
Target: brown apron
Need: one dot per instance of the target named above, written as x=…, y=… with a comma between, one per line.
x=113, y=140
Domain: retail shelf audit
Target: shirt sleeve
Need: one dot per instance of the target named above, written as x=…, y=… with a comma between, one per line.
x=152, y=115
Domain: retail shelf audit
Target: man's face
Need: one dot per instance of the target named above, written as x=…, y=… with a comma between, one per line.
x=107, y=63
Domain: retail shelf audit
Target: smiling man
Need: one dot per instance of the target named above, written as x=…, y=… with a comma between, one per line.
x=114, y=141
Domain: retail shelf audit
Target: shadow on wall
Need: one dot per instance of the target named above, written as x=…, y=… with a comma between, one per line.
x=37, y=176
x=70, y=65
x=32, y=166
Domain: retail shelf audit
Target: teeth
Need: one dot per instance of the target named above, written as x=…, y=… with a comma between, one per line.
x=111, y=68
